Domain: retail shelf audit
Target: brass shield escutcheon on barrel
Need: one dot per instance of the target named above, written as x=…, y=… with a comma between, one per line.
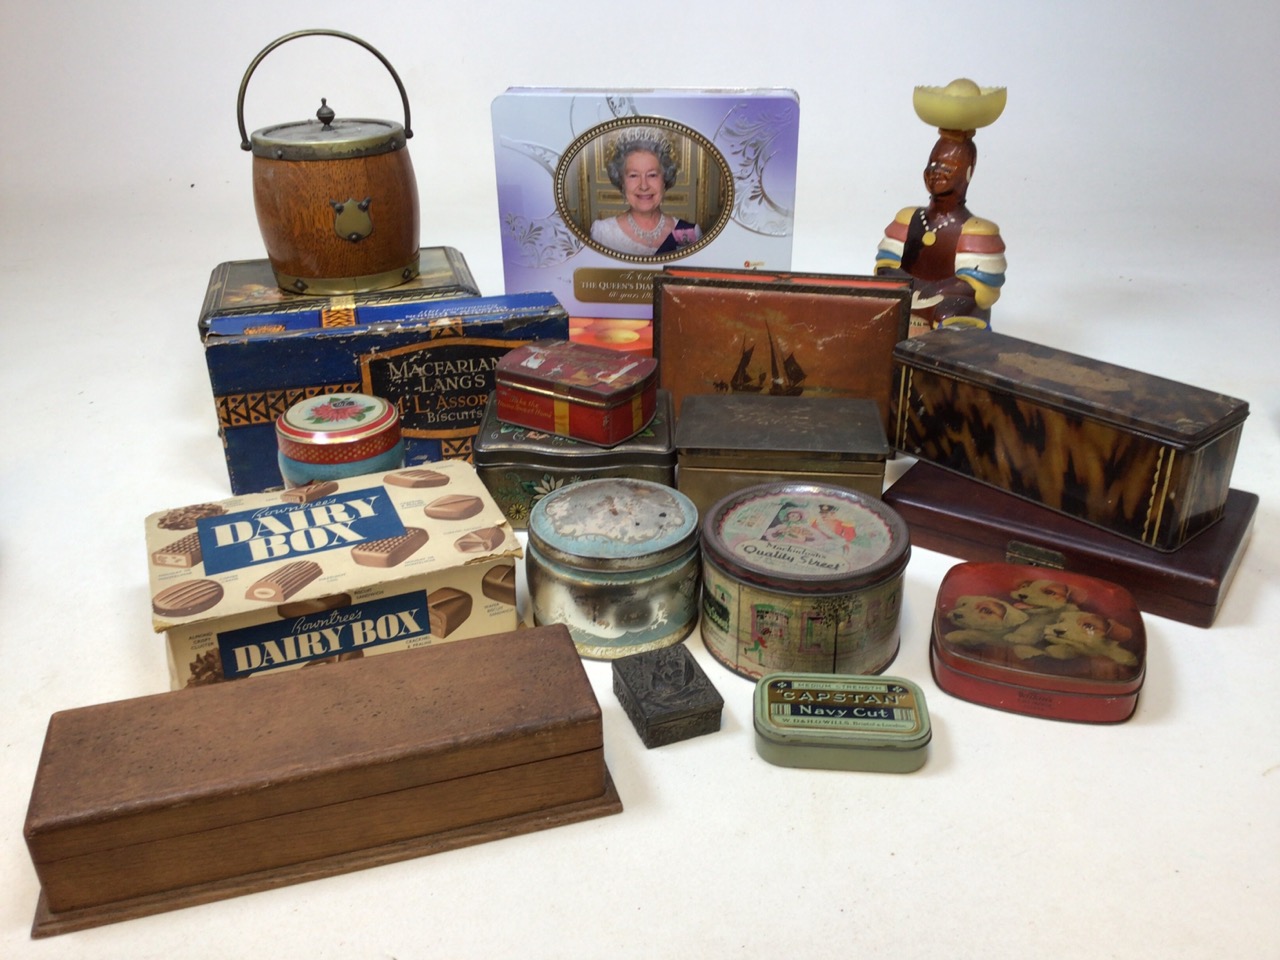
x=336, y=198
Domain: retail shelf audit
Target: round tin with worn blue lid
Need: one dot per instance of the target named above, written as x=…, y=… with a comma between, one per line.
x=615, y=560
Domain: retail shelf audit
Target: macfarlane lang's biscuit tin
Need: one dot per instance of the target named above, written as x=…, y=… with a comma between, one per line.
x=433, y=359
x=1142, y=456
x=725, y=442
x=330, y=571
x=180, y=798
x=1041, y=642
x=878, y=724
x=954, y=515
x=616, y=560
x=802, y=577
x=520, y=465
x=576, y=390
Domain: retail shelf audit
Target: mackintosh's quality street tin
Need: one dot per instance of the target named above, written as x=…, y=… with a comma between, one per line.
x=841, y=722
x=616, y=561
x=802, y=577
x=1038, y=641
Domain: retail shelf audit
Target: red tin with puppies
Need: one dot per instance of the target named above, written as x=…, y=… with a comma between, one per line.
x=1042, y=642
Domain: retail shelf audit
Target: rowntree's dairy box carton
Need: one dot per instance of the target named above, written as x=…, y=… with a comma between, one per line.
x=330, y=571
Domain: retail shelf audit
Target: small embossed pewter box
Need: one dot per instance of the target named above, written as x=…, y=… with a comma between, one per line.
x=1047, y=643
x=170, y=800
x=667, y=695
x=1144, y=457
x=727, y=442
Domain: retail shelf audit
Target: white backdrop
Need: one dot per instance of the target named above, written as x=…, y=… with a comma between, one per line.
x=1133, y=178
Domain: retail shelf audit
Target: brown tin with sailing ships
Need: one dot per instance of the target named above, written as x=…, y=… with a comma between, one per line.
x=1144, y=457
x=815, y=337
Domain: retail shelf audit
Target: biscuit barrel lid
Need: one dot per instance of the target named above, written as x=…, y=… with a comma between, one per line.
x=327, y=137
x=338, y=428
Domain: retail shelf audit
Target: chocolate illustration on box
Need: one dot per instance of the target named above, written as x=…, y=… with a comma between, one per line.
x=1142, y=456
x=356, y=566
x=1041, y=642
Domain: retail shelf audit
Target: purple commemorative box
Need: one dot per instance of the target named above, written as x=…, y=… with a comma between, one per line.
x=598, y=189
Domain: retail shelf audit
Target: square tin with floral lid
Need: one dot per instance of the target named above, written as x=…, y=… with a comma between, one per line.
x=1039, y=641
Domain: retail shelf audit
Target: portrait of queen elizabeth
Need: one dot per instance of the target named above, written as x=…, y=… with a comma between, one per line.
x=641, y=165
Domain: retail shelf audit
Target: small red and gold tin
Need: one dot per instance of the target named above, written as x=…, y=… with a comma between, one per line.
x=1039, y=641
x=338, y=435
x=573, y=390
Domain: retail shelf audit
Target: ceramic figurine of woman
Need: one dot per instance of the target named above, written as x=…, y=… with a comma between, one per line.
x=956, y=259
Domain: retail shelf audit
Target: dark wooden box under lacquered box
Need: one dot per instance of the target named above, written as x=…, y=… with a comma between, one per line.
x=1142, y=456
x=970, y=520
x=150, y=804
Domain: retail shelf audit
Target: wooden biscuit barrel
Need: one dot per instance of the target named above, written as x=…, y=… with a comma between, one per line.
x=336, y=199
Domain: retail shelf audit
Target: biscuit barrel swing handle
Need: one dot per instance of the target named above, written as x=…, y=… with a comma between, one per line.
x=244, y=84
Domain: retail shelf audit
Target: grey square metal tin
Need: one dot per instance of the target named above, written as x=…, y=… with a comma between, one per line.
x=726, y=442
x=520, y=466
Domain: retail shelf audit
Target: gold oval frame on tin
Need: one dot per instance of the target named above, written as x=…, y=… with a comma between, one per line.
x=583, y=190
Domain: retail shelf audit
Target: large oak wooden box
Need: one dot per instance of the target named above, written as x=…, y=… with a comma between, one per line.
x=963, y=518
x=145, y=805
x=1142, y=456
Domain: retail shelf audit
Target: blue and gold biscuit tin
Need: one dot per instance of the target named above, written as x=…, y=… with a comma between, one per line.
x=878, y=724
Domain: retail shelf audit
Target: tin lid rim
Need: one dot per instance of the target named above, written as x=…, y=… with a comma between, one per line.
x=593, y=555
x=885, y=567
x=384, y=421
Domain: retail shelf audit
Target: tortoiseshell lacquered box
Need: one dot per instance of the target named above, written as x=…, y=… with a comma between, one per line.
x=1145, y=457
